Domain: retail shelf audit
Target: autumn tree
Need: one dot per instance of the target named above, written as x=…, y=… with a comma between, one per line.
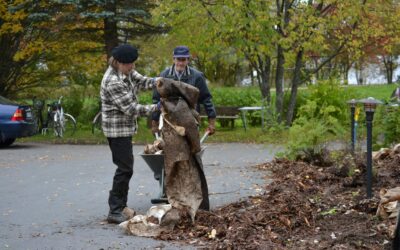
x=388, y=40
x=121, y=20
x=272, y=36
x=43, y=43
x=24, y=32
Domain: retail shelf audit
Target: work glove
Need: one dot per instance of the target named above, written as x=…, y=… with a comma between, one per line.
x=152, y=107
x=146, y=110
x=155, y=80
x=155, y=107
x=154, y=127
x=211, y=126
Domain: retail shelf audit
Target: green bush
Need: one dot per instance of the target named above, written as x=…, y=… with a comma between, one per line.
x=239, y=97
x=302, y=97
x=73, y=103
x=386, y=125
x=89, y=110
x=322, y=117
x=330, y=100
x=222, y=96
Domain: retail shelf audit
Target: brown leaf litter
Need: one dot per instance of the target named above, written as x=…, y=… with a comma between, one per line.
x=305, y=207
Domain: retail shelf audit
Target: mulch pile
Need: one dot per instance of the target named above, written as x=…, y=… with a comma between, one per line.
x=305, y=207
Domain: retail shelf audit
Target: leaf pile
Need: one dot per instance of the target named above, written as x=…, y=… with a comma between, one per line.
x=305, y=207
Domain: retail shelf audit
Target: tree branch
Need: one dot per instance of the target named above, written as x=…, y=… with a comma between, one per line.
x=208, y=12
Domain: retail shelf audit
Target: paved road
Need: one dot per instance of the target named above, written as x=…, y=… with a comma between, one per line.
x=55, y=196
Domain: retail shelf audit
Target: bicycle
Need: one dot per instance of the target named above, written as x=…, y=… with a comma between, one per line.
x=58, y=122
x=96, y=124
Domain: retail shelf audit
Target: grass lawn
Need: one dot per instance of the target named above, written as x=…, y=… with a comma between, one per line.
x=381, y=92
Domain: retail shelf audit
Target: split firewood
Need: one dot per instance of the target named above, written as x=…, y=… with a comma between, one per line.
x=156, y=147
x=385, y=152
x=381, y=154
x=388, y=204
x=388, y=195
x=396, y=149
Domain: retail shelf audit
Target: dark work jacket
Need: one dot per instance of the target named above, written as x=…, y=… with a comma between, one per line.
x=194, y=78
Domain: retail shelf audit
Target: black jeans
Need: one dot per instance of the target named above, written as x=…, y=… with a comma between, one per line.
x=122, y=156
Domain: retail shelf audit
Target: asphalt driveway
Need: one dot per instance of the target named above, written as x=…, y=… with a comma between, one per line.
x=55, y=196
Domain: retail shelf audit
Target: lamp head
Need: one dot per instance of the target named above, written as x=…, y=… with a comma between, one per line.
x=352, y=103
x=370, y=104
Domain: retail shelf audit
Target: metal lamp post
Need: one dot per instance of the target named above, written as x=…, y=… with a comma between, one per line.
x=369, y=106
x=352, y=103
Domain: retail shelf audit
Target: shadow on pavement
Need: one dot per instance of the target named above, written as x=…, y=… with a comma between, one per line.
x=18, y=146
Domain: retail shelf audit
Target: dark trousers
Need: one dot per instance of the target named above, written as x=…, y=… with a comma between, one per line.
x=122, y=156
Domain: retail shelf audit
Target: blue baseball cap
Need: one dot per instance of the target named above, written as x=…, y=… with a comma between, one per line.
x=181, y=52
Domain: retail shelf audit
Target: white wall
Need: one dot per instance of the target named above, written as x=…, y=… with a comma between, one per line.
x=373, y=74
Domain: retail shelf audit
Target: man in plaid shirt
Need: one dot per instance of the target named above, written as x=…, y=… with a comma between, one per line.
x=120, y=108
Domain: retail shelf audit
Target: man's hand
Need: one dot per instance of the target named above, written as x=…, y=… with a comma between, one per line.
x=156, y=80
x=211, y=126
x=154, y=107
x=154, y=127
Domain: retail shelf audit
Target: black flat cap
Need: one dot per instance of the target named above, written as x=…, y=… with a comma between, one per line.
x=125, y=53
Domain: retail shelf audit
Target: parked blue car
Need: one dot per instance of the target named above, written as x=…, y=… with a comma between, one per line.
x=15, y=121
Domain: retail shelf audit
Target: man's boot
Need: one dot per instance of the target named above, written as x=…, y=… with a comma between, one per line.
x=116, y=218
x=128, y=212
x=117, y=205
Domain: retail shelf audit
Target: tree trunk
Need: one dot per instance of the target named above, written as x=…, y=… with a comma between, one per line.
x=295, y=86
x=347, y=68
x=265, y=68
x=251, y=75
x=110, y=28
x=279, y=82
x=389, y=68
x=359, y=73
x=315, y=60
x=284, y=16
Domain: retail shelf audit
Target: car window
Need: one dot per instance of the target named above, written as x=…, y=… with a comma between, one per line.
x=5, y=101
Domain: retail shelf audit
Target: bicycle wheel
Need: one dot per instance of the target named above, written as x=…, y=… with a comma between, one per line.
x=69, y=125
x=96, y=124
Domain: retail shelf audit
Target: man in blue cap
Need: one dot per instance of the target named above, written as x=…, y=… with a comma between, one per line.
x=119, y=109
x=181, y=71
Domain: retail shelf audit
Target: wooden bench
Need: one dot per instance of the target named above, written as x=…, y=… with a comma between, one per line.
x=225, y=115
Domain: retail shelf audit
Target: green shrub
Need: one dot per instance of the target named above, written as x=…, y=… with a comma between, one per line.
x=239, y=97
x=331, y=100
x=321, y=118
x=89, y=110
x=222, y=96
x=73, y=103
x=386, y=125
x=302, y=97
x=227, y=96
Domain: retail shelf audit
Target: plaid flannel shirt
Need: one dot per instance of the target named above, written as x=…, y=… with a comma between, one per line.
x=119, y=102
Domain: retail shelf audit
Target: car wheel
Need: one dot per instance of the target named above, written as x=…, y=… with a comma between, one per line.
x=7, y=142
